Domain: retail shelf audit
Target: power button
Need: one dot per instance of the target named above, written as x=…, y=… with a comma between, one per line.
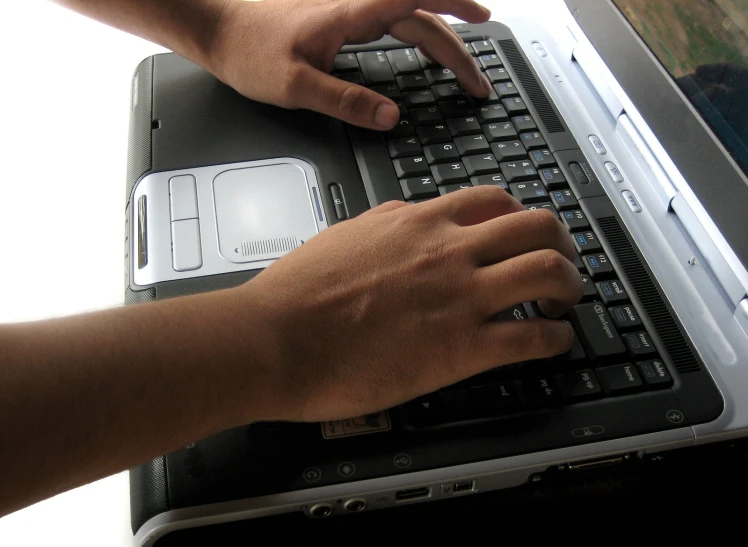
x=539, y=49
x=337, y=200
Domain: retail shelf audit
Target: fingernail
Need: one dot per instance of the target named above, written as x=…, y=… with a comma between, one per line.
x=485, y=83
x=386, y=115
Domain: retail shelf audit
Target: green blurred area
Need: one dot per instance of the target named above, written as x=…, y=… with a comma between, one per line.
x=685, y=34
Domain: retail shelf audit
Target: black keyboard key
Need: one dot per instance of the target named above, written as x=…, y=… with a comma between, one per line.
x=515, y=313
x=391, y=91
x=552, y=177
x=596, y=331
x=495, y=398
x=352, y=77
x=484, y=46
x=542, y=158
x=402, y=148
x=449, y=173
x=519, y=171
x=506, y=89
x=612, y=292
x=578, y=264
x=443, y=92
x=404, y=128
x=463, y=126
x=426, y=116
x=449, y=188
x=514, y=105
x=490, y=60
x=529, y=192
x=401, y=106
x=404, y=61
x=655, y=373
x=470, y=49
x=564, y=200
x=524, y=123
x=587, y=242
x=490, y=180
x=411, y=167
x=619, y=379
x=543, y=205
x=425, y=61
x=375, y=67
x=532, y=140
x=503, y=131
x=575, y=220
x=439, y=76
x=543, y=391
x=639, y=344
x=625, y=317
x=492, y=98
x=508, y=151
x=345, y=62
x=441, y=153
x=590, y=292
x=419, y=187
x=412, y=82
x=455, y=109
x=580, y=384
x=473, y=144
x=491, y=113
x=497, y=75
x=432, y=134
x=416, y=99
x=598, y=265
x=480, y=164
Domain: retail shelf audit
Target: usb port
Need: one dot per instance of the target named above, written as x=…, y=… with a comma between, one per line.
x=465, y=486
x=412, y=494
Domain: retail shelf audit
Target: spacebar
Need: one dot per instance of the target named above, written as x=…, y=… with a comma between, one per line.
x=596, y=331
x=377, y=172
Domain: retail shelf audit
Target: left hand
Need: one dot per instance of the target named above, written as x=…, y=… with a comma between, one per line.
x=280, y=51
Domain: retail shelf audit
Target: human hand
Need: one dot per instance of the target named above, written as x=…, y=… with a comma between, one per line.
x=280, y=51
x=400, y=302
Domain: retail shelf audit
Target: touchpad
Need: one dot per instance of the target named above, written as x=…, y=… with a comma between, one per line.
x=263, y=212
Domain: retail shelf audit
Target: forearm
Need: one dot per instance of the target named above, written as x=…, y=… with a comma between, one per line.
x=184, y=26
x=87, y=396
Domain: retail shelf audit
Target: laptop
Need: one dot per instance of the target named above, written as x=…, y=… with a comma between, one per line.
x=627, y=119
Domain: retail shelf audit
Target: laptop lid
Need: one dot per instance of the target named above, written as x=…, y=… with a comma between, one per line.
x=684, y=65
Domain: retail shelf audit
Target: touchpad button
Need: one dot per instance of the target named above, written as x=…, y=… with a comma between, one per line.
x=263, y=212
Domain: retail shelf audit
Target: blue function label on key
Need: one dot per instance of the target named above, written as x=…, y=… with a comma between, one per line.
x=593, y=262
x=546, y=172
x=539, y=157
x=620, y=315
x=607, y=289
x=581, y=239
x=560, y=198
x=569, y=214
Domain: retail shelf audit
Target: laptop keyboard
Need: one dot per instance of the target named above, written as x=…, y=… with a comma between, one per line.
x=447, y=141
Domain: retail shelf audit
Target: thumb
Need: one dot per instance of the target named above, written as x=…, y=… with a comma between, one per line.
x=349, y=102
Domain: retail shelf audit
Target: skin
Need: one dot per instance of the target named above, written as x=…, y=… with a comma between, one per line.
x=368, y=314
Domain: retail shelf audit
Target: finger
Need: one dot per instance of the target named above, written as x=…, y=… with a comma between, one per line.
x=545, y=276
x=349, y=102
x=443, y=21
x=384, y=208
x=424, y=30
x=475, y=205
x=391, y=11
x=514, y=235
x=514, y=341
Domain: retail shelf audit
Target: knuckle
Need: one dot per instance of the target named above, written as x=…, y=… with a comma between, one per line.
x=555, y=267
x=350, y=101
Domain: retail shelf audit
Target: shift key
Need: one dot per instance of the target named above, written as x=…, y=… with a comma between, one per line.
x=595, y=330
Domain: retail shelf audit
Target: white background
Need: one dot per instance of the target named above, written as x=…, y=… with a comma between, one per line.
x=64, y=101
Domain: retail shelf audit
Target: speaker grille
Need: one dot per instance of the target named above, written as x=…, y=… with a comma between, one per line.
x=136, y=297
x=139, y=138
x=536, y=94
x=269, y=246
x=148, y=493
x=670, y=333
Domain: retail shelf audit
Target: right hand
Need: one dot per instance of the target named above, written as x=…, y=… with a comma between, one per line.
x=400, y=302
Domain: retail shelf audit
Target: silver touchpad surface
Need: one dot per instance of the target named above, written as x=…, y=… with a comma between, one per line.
x=263, y=212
